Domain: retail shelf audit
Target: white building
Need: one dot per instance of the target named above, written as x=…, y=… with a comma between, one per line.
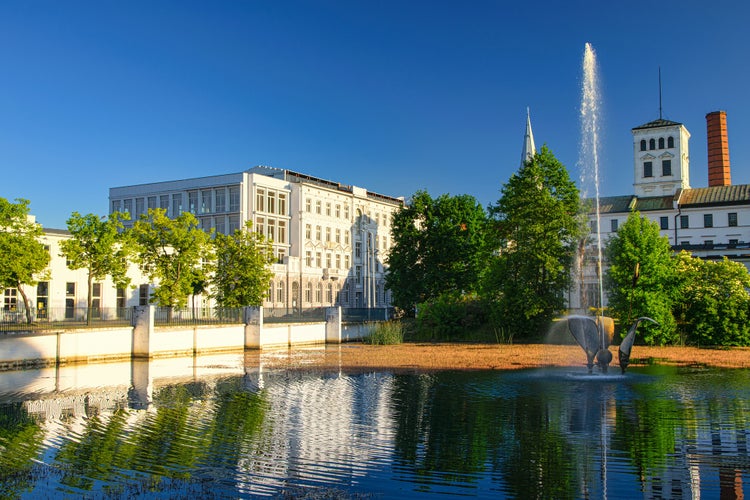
x=711, y=222
x=330, y=240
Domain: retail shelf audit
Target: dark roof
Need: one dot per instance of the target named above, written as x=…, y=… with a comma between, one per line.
x=654, y=203
x=614, y=204
x=657, y=123
x=716, y=195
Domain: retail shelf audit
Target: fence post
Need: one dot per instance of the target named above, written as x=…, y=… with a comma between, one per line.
x=333, y=325
x=143, y=328
x=253, y=318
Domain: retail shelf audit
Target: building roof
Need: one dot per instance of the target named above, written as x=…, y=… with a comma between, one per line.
x=715, y=196
x=657, y=123
x=615, y=204
x=654, y=203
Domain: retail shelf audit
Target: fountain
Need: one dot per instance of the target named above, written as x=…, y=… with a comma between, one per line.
x=594, y=334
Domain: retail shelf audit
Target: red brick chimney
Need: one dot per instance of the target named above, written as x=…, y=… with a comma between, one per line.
x=718, y=149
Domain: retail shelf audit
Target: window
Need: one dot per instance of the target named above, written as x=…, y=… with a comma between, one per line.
x=347, y=261
x=308, y=258
x=260, y=200
x=648, y=169
x=234, y=198
x=220, y=197
x=282, y=232
x=684, y=222
x=176, y=205
x=271, y=202
x=346, y=211
x=164, y=202
x=115, y=206
x=280, y=292
x=318, y=260
x=10, y=299
x=318, y=204
x=282, y=204
x=96, y=300
x=151, y=202
x=128, y=206
x=652, y=144
x=670, y=142
x=328, y=209
x=338, y=261
x=733, y=242
x=220, y=225
x=661, y=142
x=308, y=293
x=338, y=235
x=338, y=211
x=328, y=260
x=143, y=295
x=193, y=202
x=328, y=235
x=708, y=220
x=317, y=233
x=42, y=299
x=613, y=225
x=308, y=231
x=643, y=144
x=346, y=237
x=666, y=167
x=732, y=219
x=329, y=295
x=260, y=225
x=308, y=205
x=271, y=230
x=140, y=207
x=358, y=274
x=121, y=301
x=234, y=223
x=664, y=223
x=319, y=293
x=358, y=250
x=206, y=201
x=709, y=243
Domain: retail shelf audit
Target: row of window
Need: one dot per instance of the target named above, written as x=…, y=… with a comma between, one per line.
x=652, y=143
x=708, y=221
x=334, y=260
x=335, y=294
x=197, y=202
x=666, y=168
x=337, y=210
x=270, y=201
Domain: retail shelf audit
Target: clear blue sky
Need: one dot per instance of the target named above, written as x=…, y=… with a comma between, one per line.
x=392, y=96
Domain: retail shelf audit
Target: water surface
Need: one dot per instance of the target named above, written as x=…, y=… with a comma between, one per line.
x=221, y=427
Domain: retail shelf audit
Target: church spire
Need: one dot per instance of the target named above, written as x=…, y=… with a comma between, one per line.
x=529, y=149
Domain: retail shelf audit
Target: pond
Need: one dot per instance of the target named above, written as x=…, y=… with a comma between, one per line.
x=226, y=427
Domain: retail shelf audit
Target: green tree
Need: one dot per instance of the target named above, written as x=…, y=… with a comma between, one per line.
x=23, y=258
x=242, y=268
x=712, y=301
x=97, y=246
x=439, y=247
x=640, y=278
x=171, y=252
x=537, y=229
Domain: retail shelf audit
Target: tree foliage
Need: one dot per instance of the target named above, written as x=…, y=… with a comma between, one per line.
x=24, y=257
x=439, y=247
x=537, y=227
x=640, y=278
x=171, y=253
x=242, y=268
x=96, y=245
x=712, y=301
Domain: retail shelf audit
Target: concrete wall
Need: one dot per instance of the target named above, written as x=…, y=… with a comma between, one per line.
x=144, y=341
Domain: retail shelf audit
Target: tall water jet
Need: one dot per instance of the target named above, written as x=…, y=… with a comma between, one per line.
x=589, y=149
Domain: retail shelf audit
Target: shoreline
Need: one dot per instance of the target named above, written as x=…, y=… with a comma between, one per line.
x=464, y=356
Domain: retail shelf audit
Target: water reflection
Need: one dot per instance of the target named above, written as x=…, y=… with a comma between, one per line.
x=227, y=426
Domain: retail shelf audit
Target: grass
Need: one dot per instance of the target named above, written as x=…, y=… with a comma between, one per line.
x=386, y=333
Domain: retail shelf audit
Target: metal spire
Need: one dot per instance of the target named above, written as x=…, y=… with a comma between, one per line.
x=529, y=150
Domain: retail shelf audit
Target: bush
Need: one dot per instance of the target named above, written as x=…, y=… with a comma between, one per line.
x=453, y=317
x=385, y=333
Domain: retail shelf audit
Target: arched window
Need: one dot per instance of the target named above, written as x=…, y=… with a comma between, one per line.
x=652, y=144
x=670, y=142
x=280, y=293
x=643, y=144
x=661, y=142
x=308, y=292
x=319, y=293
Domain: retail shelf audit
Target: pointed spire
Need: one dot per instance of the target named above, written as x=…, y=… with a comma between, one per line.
x=529, y=149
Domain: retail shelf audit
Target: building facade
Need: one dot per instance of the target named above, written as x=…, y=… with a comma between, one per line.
x=711, y=222
x=330, y=240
